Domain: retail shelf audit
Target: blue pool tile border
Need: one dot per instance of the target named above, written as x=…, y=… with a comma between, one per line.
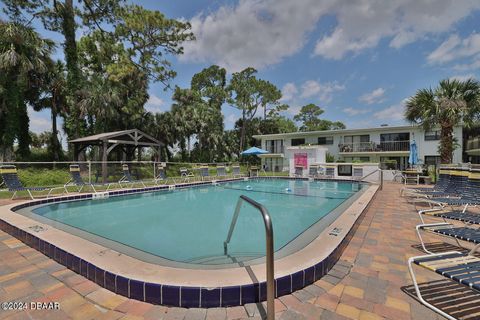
x=179, y=296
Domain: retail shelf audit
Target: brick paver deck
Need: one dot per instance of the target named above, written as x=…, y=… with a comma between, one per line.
x=365, y=284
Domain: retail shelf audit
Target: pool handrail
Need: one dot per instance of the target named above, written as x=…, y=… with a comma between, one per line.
x=269, y=248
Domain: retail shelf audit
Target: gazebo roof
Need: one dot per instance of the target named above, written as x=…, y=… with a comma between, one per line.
x=132, y=136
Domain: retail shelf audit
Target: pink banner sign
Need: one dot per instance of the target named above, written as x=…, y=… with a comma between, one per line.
x=300, y=159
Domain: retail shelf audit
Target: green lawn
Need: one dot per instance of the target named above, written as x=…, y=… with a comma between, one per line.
x=35, y=177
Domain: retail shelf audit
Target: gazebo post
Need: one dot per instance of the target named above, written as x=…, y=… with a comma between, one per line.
x=104, y=161
x=75, y=152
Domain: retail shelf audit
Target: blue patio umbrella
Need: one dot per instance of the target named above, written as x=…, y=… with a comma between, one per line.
x=413, y=158
x=254, y=151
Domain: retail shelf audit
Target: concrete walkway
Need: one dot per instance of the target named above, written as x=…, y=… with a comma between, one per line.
x=365, y=284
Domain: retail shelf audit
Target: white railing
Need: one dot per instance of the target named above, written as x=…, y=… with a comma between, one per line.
x=473, y=144
x=373, y=146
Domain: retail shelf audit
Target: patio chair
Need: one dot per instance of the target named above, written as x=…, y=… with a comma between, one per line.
x=204, y=173
x=458, y=215
x=186, y=174
x=236, y=171
x=77, y=180
x=254, y=171
x=298, y=171
x=313, y=171
x=449, y=230
x=161, y=177
x=128, y=179
x=462, y=268
x=12, y=182
x=221, y=172
x=326, y=172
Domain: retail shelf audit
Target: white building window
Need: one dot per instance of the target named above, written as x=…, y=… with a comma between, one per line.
x=432, y=135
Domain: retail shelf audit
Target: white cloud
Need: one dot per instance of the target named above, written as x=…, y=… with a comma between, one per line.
x=289, y=91
x=294, y=110
x=392, y=113
x=455, y=48
x=463, y=77
x=252, y=33
x=473, y=65
x=39, y=121
x=362, y=24
x=376, y=96
x=231, y=119
x=154, y=104
x=260, y=33
x=324, y=91
x=355, y=111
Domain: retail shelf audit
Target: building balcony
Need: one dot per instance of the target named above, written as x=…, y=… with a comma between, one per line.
x=275, y=149
x=473, y=146
x=372, y=146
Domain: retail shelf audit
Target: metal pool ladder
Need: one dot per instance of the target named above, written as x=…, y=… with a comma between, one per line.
x=269, y=242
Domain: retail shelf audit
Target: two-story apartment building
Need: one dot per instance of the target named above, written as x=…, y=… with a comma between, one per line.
x=366, y=145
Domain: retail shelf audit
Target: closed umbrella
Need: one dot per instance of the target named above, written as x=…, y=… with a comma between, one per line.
x=413, y=158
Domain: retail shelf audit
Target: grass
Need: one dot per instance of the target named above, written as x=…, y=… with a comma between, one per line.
x=35, y=177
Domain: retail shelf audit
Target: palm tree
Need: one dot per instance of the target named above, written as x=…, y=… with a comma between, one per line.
x=450, y=104
x=54, y=98
x=23, y=57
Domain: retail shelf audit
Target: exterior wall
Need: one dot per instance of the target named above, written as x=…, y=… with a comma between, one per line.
x=314, y=155
x=425, y=147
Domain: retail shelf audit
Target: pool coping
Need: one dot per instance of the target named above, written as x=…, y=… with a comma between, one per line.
x=205, y=288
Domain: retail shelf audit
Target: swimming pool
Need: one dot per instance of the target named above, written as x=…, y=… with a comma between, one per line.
x=187, y=227
x=165, y=246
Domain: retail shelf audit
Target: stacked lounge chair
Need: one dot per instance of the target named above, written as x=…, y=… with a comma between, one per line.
x=455, y=181
x=440, y=186
x=458, y=183
x=463, y=268
x=12, y=182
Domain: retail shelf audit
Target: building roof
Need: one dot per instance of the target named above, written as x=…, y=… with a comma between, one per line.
x=132, y=136
x=330, y=132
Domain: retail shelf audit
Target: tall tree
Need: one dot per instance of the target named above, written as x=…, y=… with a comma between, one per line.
x=450, y=104
x=247, y=93
x=309, y=116
x=210, y=83
x=23, y=57
x=54, y=96
x=147, y=37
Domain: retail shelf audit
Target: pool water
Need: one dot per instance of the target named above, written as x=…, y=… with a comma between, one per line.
x=190, y=225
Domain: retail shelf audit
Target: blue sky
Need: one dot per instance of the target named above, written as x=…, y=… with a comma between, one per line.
x=358, y=60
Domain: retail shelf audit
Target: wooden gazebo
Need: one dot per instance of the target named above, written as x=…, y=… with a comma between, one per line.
x=110, y=140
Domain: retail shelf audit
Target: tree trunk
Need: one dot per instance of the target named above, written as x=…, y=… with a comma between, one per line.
x=71, y=58
x=242, y=132
x=55, y=143
x=446, y=144
x=189, y=149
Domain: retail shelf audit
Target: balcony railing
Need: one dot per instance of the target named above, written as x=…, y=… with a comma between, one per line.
x=372, y=146
x=274, y=149
x=473, y=144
